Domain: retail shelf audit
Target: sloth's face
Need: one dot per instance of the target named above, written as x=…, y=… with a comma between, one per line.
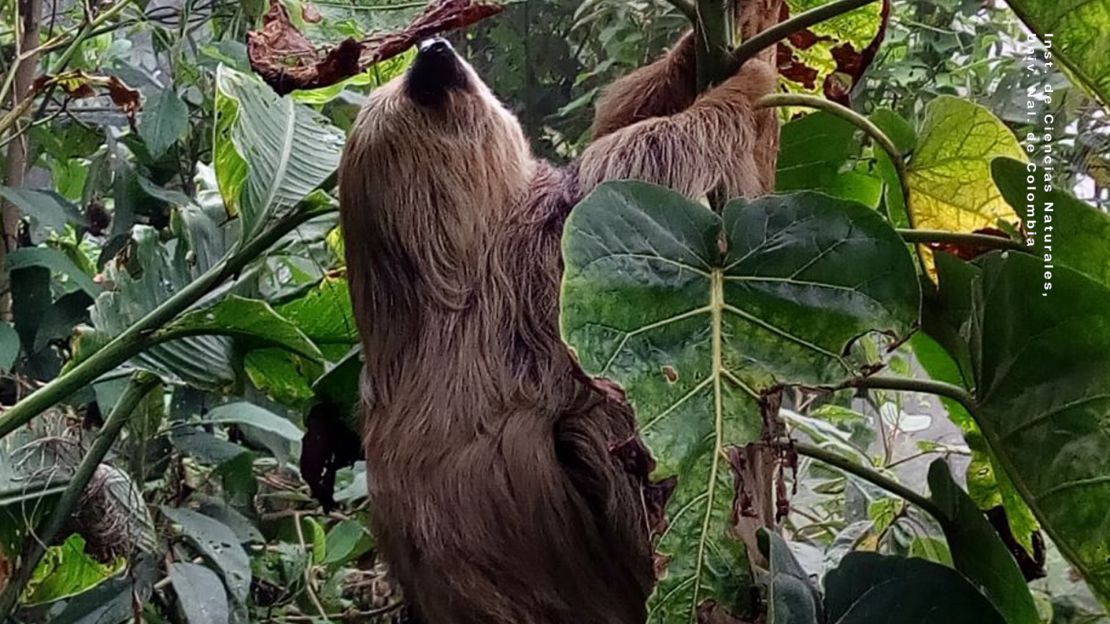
x=438, y=74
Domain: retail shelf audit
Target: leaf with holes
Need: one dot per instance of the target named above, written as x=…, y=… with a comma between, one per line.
x=697, y=315
x=218, y=544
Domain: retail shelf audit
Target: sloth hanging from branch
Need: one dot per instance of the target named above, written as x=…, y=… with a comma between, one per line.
x=507, y=486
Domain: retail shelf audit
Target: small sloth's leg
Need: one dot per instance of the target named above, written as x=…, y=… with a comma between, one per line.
x=663, y=88
x=715, y=141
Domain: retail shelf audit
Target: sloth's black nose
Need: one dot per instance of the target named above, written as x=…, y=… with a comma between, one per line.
x=434, y=46
x=436, y=71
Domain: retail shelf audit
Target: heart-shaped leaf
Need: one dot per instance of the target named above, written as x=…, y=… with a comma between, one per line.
x=697, y=315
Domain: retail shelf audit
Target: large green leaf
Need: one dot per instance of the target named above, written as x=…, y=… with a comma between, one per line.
x=977, y=550
x=165, y=120
x=200, y=594
x=868, y=588
x=1080, y=235
x=67, y=570
x=270, y=152
x=249, y=320
x=698, y=315
x=1042, y=361
x=950, y=173
x=1077, y=30
x=218, y=544
x=58, y=263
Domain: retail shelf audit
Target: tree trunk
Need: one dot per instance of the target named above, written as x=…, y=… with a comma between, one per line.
x=30, y=14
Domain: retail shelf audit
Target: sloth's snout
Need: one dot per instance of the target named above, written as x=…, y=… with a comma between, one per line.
x=435, y=46
x=436, y=71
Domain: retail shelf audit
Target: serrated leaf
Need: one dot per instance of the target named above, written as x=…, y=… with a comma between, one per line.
x=695, y=335
x=269, y=152
x=1041, y=364
x=66, y=570
x=977, y=550
x=200, y=594
x=868, y=588
x=950, y=173
x=1077, y=29
x=165, y=120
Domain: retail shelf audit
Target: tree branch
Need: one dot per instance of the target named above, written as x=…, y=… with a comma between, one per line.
x=979, y=241
x=798, y=23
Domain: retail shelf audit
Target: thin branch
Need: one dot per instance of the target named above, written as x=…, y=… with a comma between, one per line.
x=871, y=476
x=35, y=546
x=979, y=241
x=780, y=100
x=750, y=48
x=907, y=384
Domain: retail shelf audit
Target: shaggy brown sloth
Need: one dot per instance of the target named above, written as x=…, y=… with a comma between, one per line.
x=507, y=486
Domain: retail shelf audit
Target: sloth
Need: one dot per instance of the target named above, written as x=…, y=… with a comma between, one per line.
x=507, y=486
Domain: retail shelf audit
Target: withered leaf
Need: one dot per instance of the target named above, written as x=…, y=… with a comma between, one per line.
x=288, y=61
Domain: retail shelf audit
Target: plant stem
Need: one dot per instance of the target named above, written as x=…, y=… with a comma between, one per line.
x=871, y=476
x=979, y=241
x=35, y=546
x=715, y=25
x=907, y=384
x=141, y=335
x=798, y=23
x=780, y=100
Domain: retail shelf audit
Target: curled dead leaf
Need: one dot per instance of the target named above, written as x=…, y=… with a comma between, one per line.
x=288, y=61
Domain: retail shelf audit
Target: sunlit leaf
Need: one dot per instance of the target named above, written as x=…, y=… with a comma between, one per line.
x=950, y=172
x=1077, y=30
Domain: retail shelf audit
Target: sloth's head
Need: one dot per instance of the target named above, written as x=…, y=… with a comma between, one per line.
x=438, y=126
x=433, y=159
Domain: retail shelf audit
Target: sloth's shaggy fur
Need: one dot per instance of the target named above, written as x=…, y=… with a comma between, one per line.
x=507, y=486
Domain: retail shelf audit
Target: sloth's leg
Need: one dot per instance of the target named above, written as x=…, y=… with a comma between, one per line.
x=715, y=141
x=663, y=88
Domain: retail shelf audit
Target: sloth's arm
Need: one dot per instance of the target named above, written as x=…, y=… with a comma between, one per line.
x=717, y=140
x=663, y=88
